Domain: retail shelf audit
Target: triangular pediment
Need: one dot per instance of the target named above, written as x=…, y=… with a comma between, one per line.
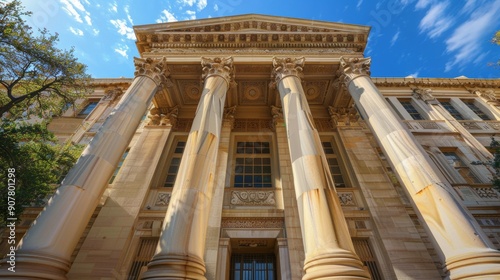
x=252, y=30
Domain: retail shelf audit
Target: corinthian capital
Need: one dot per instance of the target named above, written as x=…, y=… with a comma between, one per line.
x=283, y=67
x=425, y=94
x=155, y=69
x=222, y=67
x=352, y=68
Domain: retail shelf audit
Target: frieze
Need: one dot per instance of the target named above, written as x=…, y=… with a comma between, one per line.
x=160, y=48
x=252, y=125
x=346, y=198
x=163, y=199
x=252, y=198
x=436, y=83
x=252, y=222
x=489, y=193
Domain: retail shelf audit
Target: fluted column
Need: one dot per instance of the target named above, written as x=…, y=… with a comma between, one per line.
x=45, y=250
x=179, y=254
x=463, y=247
x=327, y=243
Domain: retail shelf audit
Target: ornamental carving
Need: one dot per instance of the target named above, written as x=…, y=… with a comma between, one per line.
x=487, y=193
x=424, y=94
x=112, y=94
x=252, y=223
x=163, y=199
x=342, y=116
x=222, y=67
x=346, y=198
x=488, y=94
x=284, y=67
x=352, y=68
x=253, y=198
x=156, y=69
x=168, y=119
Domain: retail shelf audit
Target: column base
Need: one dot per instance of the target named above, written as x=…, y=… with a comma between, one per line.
x=34, y=266
x=175, y=267
x=338, y=265
x=476, y=265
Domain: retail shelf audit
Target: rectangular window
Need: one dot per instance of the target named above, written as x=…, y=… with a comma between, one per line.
x=411, y=109
x=333, y=164
x=453, y=112
x=88, y=109
x=476, y=110
x=175, y=162
x=125, y=154
x=147, y=247
x=365, y=253
x=456, y=162
x=252, y=166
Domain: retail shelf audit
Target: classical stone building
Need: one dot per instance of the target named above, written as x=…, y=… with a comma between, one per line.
x=259, y=147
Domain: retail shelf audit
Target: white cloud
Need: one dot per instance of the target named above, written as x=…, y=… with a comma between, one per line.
x=191, y=14
x=395, y=38
x=76, y=31
x=466, y=40
x=187, y=2
x=216, y=8
x=127, y=12
x=435, y=22
x=76, y=10
x=422, y=4
x=122, y=50
x=359, y=3
x=113, y=8
x=123, y=29
x=95, y=31
x=166, y=17
x=201, y=4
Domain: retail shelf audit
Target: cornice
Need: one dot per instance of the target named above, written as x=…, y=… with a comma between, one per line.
x=436, y=82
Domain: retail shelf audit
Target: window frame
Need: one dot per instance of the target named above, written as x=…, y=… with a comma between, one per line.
x=88, y=103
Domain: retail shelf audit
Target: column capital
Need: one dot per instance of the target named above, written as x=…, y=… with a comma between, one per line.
x=284, y=67
x=222, y=67
x=156, y=69
x=166, y=118
x=488, y=94
x=352, y=68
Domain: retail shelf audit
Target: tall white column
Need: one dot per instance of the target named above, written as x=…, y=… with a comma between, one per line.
x=179, y=254
x=328, y=247
x=464, y=249
x=45, y=250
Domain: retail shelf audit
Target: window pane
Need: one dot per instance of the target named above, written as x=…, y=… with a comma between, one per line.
x=453, y=112
x=476, y=110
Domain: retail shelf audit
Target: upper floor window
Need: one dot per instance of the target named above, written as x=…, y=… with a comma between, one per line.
x=411, y=109
x=463, y=169
x=252, y=165
x=452, y=110
x=476, y=110
x=333, y=164
x=174, y=162
x=88, y=109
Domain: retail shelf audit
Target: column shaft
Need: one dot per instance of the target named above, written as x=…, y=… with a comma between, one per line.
x=463, y=247
x=182, y=243
x=45, y=250
x=327, y=243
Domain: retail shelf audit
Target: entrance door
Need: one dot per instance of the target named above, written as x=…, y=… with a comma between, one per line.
x=253, y=267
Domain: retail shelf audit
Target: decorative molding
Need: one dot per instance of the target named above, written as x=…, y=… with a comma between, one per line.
x=252, y=198
x=222, y=67
x=352, y=68
x=252, y=222
x=156, y=69
x=268, y=50
x=284, y=67
x=489, y=193
x=252, y=125
x=437, y=83
x=488, y=94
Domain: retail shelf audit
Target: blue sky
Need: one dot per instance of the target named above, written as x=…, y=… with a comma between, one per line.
x=422, y=38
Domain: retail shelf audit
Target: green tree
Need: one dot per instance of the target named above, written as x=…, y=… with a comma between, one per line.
x=35, y=76
x=496, y=40
x=37, y=163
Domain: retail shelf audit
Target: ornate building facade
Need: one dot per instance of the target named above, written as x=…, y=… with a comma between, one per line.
x=259, y=147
